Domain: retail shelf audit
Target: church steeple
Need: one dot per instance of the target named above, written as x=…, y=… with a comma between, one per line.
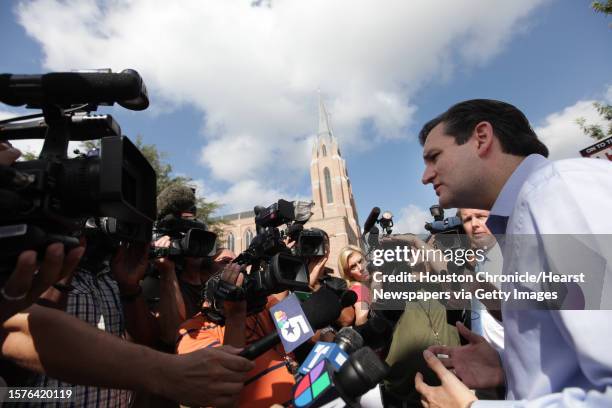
x=325, y=131
x=331, y=187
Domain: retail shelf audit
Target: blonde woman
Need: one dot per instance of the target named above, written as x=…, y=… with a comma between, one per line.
x=352, y=268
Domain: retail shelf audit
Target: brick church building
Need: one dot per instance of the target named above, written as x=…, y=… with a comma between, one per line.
x=334, y=210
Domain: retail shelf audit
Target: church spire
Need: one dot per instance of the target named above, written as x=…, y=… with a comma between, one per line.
x=325, y=130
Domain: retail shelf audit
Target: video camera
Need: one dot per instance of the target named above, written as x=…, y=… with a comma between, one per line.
x=188, y=238
x=449, y=231
x=274, y=267
x=48, y=199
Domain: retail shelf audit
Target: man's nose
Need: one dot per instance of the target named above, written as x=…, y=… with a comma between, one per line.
x=428, y=175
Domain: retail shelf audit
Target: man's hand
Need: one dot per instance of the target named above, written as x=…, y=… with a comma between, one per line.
x=25, y=286
x=233, y=275
x=208, y=377
x=451, y=394
x=316, y=266
x=8, y=154
x=129, y=266
x=476, y=364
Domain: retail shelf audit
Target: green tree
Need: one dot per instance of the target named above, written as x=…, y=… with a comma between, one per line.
x=601, y=7
x=598, y=132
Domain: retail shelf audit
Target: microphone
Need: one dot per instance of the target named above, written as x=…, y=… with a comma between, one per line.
x=346, y=342
x=373, y=237
x=321, y=309
x=371, y=220
x=323, y=386
x=376, y=332
x=349, y=340
x=71, y=88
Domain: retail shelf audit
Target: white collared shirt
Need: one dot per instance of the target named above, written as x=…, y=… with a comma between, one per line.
x=557, y=358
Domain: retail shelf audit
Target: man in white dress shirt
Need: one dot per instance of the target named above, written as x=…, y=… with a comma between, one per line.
x=474, y=224
x=484, y=154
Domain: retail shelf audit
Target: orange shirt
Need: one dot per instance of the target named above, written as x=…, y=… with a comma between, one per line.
x=270, y=381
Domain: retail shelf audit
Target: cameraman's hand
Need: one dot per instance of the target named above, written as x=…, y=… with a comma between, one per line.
x=316, y=266
x=232, y=274
x=25, y=286
x=129, y=266
x=164, y=265
x=8, y=154
x=207, y=377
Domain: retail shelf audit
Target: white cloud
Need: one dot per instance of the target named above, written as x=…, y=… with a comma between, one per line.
x=254, y=71
x=561, y=133
x=411, y=219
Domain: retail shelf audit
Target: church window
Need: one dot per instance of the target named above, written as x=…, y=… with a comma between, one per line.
x=230, y=242
x=328, y=186
x=248, y=237
x=324, y=150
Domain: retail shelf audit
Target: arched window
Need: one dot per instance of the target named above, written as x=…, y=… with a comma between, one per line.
x=324, y=150
x=248, y=237
x=328, y=186
x=230, y=242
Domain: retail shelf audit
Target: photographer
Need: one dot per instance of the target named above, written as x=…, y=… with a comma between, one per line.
x=271, y=380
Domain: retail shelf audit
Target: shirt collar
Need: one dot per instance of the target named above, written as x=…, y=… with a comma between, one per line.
x=506, y=199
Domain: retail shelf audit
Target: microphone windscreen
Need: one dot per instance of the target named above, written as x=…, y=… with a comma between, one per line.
x=322, y=308
x=349, y=340
x=349, y=298
x=371, y=220
x=363, y=370
x=175, y=199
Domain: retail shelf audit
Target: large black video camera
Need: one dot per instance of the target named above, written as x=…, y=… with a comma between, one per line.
x=189, y=238
x=274, y=267
x=48, y=199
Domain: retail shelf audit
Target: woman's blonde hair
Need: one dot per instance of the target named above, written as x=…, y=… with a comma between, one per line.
x=345, y=253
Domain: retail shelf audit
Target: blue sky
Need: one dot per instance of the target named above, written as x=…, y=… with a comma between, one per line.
x=234, y=88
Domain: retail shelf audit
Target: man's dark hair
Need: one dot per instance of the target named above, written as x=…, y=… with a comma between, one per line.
x=509, y=125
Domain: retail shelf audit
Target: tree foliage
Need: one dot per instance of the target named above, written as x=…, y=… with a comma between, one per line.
x=598, y=132
x=602, y=7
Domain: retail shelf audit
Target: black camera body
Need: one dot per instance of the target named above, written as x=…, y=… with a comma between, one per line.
x=188, y=238
x=48, y=199
x=273, y=267
x=449, y=232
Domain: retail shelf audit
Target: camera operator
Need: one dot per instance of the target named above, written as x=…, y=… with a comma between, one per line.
x=271, y=381
x=29, y=280
x=174, y=294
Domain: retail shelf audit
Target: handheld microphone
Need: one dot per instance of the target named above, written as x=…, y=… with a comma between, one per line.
x=70, y=88
x=321, y=309
x=373, y=237
x=323, y=386
x=371, y=220
x=346, y=342
x=376, y=331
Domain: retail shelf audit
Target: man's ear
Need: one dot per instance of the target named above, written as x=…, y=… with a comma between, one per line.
x=483, y=138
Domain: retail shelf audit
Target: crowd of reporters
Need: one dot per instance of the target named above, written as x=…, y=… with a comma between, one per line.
x=154, y=301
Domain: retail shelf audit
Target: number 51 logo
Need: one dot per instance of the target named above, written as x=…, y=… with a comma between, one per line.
x=291, y=323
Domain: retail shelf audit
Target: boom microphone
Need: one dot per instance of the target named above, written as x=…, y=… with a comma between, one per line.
x=321, y=309
x=71, y=88
x=371, y=220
